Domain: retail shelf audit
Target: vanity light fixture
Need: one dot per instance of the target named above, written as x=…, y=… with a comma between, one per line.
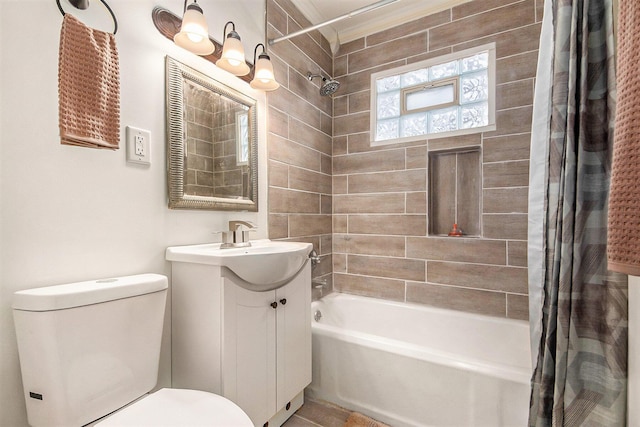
x=263, y=77
x=194, y=32
x=232, y=59
x=194, y=36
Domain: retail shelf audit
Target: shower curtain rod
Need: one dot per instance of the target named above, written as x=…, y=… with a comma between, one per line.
x=331, y=21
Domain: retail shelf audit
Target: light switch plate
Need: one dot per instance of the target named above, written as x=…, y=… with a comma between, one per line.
x=138, y=145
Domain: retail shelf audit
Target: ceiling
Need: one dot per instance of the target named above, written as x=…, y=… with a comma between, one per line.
x=384, y=17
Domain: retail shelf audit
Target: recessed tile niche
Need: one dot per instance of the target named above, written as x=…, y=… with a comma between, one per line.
x=454, y=191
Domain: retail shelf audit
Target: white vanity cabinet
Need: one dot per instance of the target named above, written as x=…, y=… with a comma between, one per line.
x=252, y=347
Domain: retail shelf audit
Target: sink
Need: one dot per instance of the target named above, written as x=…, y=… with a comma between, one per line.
x=264, y=265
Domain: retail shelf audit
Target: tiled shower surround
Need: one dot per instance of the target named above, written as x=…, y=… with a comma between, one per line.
x=366, y=208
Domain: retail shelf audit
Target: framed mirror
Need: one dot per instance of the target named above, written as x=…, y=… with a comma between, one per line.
x=212, y=143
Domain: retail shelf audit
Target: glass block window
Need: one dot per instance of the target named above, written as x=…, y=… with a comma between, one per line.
x=453, y=94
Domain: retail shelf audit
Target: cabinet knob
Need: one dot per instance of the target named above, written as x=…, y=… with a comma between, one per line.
x=274, y=304
x=283, y=301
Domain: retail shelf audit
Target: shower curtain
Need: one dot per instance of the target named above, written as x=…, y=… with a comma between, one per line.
x=578, y=309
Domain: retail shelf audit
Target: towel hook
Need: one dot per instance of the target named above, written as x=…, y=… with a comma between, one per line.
x=84, y=4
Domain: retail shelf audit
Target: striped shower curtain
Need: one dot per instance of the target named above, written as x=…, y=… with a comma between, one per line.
x=578, y=309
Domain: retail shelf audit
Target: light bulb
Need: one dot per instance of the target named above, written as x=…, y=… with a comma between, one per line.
x=263, y=78
x=232, y=59
x=194, y=33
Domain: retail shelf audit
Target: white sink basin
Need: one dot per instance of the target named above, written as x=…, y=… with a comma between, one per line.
x=264, y=265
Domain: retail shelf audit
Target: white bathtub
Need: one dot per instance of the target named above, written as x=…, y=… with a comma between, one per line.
x=413, y=365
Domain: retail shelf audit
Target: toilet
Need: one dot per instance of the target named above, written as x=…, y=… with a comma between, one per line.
x=89, y=354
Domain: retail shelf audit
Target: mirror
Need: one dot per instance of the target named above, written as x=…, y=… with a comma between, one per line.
x=212, y=143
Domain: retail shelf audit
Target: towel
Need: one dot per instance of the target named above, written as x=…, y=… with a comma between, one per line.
x=623, y=237
x=88, y=86
x=356, y=419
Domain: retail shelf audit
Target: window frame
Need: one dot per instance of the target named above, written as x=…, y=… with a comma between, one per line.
x=242, y=144
x=406, y=91
x=490, y=48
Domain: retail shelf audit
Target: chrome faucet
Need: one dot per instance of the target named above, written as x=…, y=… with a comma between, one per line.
x=314, y=257
x=318, y=285
x=236, y=237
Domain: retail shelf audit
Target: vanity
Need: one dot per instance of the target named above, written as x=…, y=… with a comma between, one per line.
x=240, y=309
x=241, y=324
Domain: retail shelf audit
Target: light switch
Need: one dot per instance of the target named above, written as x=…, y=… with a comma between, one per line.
x=138, y=145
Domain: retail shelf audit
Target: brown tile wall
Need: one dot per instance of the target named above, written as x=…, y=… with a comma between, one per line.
x=299, y=139
x=229, y=178
x=199, y=134
x=381, y=247
x=365, y=208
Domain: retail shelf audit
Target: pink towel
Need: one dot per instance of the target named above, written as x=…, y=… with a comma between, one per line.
x=623, y=240
x=88, y=86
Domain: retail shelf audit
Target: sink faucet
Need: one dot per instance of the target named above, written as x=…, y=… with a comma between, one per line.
x=236, y=237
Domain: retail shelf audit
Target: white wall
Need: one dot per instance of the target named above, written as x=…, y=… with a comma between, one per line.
x=69, y=213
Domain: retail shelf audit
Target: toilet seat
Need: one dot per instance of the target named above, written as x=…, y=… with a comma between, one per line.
x=179, y=407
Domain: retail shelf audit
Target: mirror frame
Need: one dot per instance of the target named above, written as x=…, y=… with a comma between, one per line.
x=176, y=73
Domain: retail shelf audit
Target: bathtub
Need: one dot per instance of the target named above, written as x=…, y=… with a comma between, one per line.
x=414, y=365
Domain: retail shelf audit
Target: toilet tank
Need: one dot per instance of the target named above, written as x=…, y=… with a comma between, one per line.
x=88, y=348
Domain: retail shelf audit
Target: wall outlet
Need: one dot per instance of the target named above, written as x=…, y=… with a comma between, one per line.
x=138, y=145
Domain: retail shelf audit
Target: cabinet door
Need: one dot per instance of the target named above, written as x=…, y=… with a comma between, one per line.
x=249, y=351
x=294, y=337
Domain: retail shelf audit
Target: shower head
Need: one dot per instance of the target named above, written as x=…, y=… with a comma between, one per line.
x=329, y=85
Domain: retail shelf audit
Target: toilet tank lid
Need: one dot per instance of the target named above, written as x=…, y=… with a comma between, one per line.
x=85, y=293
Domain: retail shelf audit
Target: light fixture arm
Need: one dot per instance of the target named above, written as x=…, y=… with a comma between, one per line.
x=192, y=6
x=255, y=52
x=231, y=33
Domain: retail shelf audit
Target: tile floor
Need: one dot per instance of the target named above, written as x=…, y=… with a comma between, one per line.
x=318, y=414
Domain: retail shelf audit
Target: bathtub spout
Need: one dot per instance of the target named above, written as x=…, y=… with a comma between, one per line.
x=318, y=285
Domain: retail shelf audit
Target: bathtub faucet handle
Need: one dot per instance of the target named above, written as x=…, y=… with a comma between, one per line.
x=314, y=257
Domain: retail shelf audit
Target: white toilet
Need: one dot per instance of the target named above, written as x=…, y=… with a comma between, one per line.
x=89, y=349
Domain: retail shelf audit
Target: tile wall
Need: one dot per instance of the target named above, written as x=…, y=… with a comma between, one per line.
x=199, y=113
x=299, y=138
x=231, y=177
x=376, y=243
x=381, y=245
